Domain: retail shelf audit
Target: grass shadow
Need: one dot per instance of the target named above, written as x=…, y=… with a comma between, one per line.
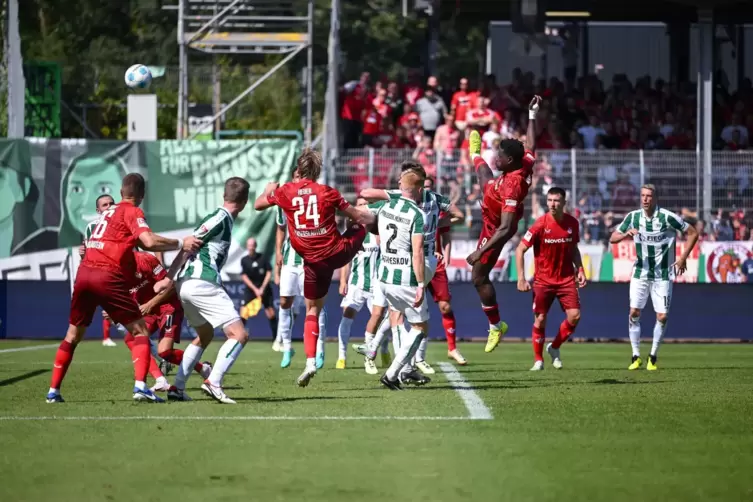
x=21, y=378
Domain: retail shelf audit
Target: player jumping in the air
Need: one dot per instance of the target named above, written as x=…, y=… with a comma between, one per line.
x=654, y=231
x=105, y=278
x=310, y=209
x=206, y=304
x=501, y=208
x=289, y=276
x=558, y=274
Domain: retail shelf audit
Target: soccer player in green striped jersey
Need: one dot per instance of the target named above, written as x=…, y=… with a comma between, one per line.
x=654, y=231
x=206, y=304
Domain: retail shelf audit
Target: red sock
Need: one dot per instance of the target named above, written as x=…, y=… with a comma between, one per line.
x=175, y=356
x=566, y=329
x=492, y=313
x=310, y=335
x=154, y=370
x=63, y=359
x=538, y=337
x=141, y=357
x=448, y=321
x=106, y=325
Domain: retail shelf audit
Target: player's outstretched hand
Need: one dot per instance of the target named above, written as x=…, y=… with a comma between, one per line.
x=419, y=297
x=581, y=278
x=473, y=257
x=680, y=265
x=523, y=285
x=145, y=308
x=192, y=244
x=343, y=288
x=162, y=285
x=535, y=104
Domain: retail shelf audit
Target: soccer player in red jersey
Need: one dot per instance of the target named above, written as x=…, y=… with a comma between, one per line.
x=501, y=209
x=105, y=278
x=558, y=274
x=310, y=209
x=162, y=312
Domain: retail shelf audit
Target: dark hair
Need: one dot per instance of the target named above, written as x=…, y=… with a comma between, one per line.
x=309, y=164
x=557, y=191
x=236, y=190
x=430, y=180
x=415, y=166
x=96, y=202
x=133, y=186
x=512, y=148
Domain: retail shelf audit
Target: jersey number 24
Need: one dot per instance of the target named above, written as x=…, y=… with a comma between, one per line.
x=308, y=208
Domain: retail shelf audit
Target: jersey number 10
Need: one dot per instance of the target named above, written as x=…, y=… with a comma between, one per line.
x=309, y=209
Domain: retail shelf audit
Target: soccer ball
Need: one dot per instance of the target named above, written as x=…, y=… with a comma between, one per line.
x=138, y=76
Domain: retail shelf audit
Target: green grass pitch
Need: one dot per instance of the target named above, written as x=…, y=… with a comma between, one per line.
x=592, y=431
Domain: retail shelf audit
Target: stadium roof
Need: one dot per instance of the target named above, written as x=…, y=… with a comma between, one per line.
x=726, y=11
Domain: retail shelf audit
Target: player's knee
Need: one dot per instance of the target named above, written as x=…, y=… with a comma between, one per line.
x=286, y=302
x=75, y=334
x=445, y=308
x=661, y=318
x=635, y=316
x=237, y=332
x=479, y=280
x=271, y=313
x=539, y=320
x=573, y=317
x=349, y=313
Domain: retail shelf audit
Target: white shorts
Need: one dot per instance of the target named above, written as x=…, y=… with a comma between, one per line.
x=356, y=298
x=401, y=299
x=660, y=291
x=430, y=267
x=291, y=281
x=377, y=296
x=206, y=302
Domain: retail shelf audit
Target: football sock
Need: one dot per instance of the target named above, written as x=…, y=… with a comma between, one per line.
x=310, y=336
x=448, y=322
x=285, y=328
x=273, y=325
x=492, y=313
x=343, y=337
x=142, y=358
x=106, y=325
x=190, y=356
x=410, y=342
x=63, y=359
x=227, y=355
x=154, y=370
x=538, y=337
x=175, y=356
x=566, y=329
x=379, y=338
x=659, y=329
x=322, y=337
x=634, y=330
x=421, y=352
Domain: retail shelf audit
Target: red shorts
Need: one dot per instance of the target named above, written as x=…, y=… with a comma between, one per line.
x=439, y=287
x=317, y=276
x=544, y=295
x=168, y=321
x=487, y=231
x=95, y=287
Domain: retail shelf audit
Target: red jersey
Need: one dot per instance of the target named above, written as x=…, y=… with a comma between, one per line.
x=113, y=239
x=310, y=210
x=553, y=245
x=478, y=113
x=507, y=193
x=148, y=271
x=463, y=101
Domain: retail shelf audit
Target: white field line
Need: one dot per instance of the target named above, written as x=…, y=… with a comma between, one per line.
x=225, y=418
x=477, y=410
x=24, y=349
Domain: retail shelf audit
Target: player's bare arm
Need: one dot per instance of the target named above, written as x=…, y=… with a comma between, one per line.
x=361, y=215
x=418, y=266
x=618, y=236
x=344, y=272
x=451, y=217
x=503, y=234
x=445, y=240
x=523, y=284
x=374, y=194
x=580, y=274
x=175, y=267
x=154, y=242
x=279, y=240
x=681, y=265
x=262, y=202
x=157, y=300
x=533, y=109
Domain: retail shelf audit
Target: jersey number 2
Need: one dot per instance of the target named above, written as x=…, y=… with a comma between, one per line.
x=99, y=230
x=309, y=209
x=392, y=228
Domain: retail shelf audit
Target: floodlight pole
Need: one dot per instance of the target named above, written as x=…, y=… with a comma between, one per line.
x=309, y=75
x=181, y=71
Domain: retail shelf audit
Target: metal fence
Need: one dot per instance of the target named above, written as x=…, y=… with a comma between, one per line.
x=603, y=183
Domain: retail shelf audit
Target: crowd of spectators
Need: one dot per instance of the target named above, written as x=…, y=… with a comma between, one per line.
x=431, y=123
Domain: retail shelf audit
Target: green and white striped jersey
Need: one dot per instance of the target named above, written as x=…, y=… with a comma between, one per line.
x=215, y=230
x=290, y=258
x=654, y=242
x=432, y=205
x=363, y=268
x=398, y=221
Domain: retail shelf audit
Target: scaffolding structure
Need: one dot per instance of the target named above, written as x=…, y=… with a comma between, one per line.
x=243, y=27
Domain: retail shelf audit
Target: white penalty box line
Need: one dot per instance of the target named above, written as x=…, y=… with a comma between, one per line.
x=226, y=418
x=477, y=409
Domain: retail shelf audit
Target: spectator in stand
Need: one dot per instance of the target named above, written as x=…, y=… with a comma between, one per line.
x=394, y=101
x=431, y=111
x=571, y=114
x=402, y=139
x=624, y=195
x=354, y=97
x=735, y=143
x=610, y=140
x=736, y=125
x=426, y=155
x=373, y=117
x=667, y=126
x=632, y=142
x=480, y=118
x=463, y=100
x=590, y=132
x=508, y=125
x=591, y=206
x=412, y=91
x=447, y=138
x=490, y=136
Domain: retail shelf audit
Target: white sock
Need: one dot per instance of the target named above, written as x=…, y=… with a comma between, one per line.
x=227, y=355
x=311, y=363
x=421, y=353
x=343, y=337
x=396, y=335
x=160, y=381
x=367, y=338
x=185, y=368
x=659, y=330
x=322, y=331
x=634, y=330
x=285, y=328
x=140, y=385
x=410, y=342
x=383, y=331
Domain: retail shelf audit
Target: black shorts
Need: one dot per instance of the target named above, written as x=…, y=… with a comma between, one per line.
x=267, y=300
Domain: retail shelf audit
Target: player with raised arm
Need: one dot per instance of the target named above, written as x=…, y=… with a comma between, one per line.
x=400, y=223
x=206, y=304
x=289, y=276
x=105, y=278
x=501, y=209
x=310, y=210
x=654, y=231
x=558, y=273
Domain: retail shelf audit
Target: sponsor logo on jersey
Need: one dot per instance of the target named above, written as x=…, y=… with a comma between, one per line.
x=547, y=230
x=569, y=230
x=511, y=202
x=561, y=240
x=142, y=223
